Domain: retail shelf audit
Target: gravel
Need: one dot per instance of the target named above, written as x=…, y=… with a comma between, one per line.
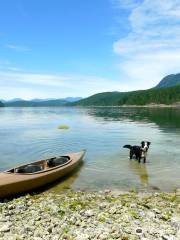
x=91, y=215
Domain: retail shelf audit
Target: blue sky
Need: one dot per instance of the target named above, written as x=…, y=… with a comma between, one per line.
x=66, y=48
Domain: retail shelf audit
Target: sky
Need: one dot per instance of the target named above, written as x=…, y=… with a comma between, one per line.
x=62, y=48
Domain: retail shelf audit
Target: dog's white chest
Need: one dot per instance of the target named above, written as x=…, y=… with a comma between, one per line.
x=144, y=154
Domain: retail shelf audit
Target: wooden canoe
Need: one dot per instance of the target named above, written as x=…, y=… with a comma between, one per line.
x=12, y=182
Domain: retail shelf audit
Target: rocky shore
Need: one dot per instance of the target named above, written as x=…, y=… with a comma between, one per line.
x=91, y=215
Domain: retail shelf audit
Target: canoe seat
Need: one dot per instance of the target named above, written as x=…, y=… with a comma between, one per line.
x=29, y=168
x=53, y=162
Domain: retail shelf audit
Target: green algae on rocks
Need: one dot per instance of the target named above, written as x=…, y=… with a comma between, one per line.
x=63, y=126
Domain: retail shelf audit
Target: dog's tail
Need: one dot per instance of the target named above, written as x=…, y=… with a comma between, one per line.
x=127, y=146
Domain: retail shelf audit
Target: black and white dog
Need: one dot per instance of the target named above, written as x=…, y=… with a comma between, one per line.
x=138, y=151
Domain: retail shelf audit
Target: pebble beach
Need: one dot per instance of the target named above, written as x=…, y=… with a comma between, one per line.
x=85, y=215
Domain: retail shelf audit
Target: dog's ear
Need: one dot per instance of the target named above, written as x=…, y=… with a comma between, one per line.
x=149, y=143
x=142, y=143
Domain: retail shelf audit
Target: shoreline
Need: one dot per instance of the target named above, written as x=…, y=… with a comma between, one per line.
x=132, y=106
x=84, y=215
x=150, y=105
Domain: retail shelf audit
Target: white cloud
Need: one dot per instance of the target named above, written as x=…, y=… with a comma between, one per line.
x=126, y=4
x=151, y=49
x=28, y=85
x=15, y=69
x=6, y=65
x=18, y=48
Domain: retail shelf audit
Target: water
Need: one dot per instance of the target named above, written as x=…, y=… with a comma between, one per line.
x=29, y=134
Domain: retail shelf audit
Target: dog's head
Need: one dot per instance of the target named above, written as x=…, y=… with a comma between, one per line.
x=145, y=145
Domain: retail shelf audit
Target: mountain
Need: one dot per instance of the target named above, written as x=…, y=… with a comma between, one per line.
x=14, y=100
x=169, y=81
x=18, y=102
x=72, y=99
x=48, y=103
x=11, y=100
x=41, y=100
x=67, y=99
x=167, y=95
x=1, y=104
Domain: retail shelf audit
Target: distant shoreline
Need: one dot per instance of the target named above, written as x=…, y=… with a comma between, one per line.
x=151, y=105
x=155, y=105
x=176, y=105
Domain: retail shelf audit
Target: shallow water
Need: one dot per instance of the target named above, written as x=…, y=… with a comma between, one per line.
x=28, y=134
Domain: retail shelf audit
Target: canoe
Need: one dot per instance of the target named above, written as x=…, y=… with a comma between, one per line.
x=37, y=174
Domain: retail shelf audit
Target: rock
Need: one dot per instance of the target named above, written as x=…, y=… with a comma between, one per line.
x=106, y=191
x=5, y=228
x=151, y=214
x=178, y=234
x=178, y=192
x=176, y=221
x=78, y=223
x=11, y=237
x=113, y=210
x=103, y=236
x=133, y=205
x=166, y=237
x=11, y=206
x=102, y=206
x=3, y=219
x=49, y=229
x=100, y=192
x=138, y=230
x=116, y=235
x=156, y=210
x=89, y=213
x=82, y=237
x=38, y=218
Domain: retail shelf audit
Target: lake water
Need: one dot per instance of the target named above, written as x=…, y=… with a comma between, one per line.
x=29, y=134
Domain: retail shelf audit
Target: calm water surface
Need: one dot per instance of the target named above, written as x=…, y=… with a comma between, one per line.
x=29, y=134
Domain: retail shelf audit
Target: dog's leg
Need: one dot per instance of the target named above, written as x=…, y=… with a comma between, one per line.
x=145, y=154
x=138, y=157
x=130, y=155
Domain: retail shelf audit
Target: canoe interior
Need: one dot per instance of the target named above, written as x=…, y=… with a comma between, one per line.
x=41, y=166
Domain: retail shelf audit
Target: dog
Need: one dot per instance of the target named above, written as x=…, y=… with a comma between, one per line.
x=139, y=151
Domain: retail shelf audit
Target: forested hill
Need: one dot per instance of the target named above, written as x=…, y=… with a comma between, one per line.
x=24, y=103
x=169, y=81
x=1, y=104
x=142, y=97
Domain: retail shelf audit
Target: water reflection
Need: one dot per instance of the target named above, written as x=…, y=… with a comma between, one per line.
x=140, y=170
x=65, y=182
x=163, y=117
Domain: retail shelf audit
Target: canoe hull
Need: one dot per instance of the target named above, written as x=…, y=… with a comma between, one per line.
x=11, y=184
